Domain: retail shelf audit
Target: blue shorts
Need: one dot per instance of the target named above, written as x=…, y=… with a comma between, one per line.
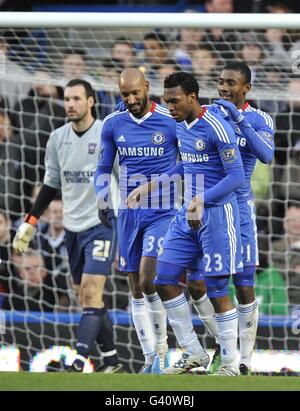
x=248, y=238
x=140, y=234
x=215, y=249
x=195, y=275
x=249, y=233
x=91, y=251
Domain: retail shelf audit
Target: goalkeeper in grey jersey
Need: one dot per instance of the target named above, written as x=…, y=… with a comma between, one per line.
x=71, y=159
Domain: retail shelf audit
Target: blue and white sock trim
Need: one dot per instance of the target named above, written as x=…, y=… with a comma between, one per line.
x=138, y=302
x=152, y=297
x=228, y=316
x=247, y=308
x=201, y=300
x=175, y=302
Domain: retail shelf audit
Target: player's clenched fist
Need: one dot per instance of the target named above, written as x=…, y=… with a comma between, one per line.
x=23, y=237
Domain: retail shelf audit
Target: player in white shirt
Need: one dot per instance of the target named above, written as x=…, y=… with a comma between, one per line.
x=71, y=159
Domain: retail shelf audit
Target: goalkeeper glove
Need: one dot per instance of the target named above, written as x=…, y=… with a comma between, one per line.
x=233, y=112
x=24, y=234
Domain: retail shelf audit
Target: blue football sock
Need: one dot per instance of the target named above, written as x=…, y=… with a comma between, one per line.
x=89, y=328
x=105, y=339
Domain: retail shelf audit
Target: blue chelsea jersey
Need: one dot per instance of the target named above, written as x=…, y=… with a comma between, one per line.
x=209, y=152
x=262, y=146
x=146, y=147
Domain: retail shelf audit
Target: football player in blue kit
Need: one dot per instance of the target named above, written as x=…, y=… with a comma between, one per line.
x=71, y=158
x=255, y=137
x=207, y=226
x=144, y=137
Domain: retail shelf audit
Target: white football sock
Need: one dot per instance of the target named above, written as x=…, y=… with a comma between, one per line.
x=206, y=313
x=143, y=328
x=248, y=320
x=179, y=316
x=158, y=317
x=228, y=330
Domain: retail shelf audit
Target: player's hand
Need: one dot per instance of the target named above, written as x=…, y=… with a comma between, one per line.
x=105, y=217
x=121, y=106
x=233, y=112
x=23, y=237
x=134, y=198
x=194, y=213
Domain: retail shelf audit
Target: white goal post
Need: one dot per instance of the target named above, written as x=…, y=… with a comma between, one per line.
x=149, y=20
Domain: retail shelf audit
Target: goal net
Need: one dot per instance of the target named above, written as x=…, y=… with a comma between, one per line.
x=38, y=326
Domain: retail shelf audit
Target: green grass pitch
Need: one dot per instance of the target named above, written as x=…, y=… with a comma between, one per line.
x=25, y=381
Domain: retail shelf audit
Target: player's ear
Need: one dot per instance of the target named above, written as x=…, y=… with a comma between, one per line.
x=91, y=101
x=192, y=98
x=247, y=88
x=147, y=86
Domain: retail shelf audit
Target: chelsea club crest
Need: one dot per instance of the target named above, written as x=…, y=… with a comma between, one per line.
x=199, y=144
x=158, y=137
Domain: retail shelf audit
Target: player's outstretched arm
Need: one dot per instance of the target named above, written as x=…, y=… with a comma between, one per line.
x=26, y=230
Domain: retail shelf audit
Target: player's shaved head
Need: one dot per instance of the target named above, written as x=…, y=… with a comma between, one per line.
x=134, y=91
x=131, y=75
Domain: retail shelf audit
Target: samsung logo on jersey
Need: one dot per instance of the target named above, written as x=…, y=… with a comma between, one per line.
x=194, y=158
x=141, y=151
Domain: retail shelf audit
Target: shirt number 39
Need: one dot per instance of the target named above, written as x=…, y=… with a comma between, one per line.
x=151, y=243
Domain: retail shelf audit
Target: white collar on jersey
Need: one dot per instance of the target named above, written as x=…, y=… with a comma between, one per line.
x=140, y=120
x=188, y=126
